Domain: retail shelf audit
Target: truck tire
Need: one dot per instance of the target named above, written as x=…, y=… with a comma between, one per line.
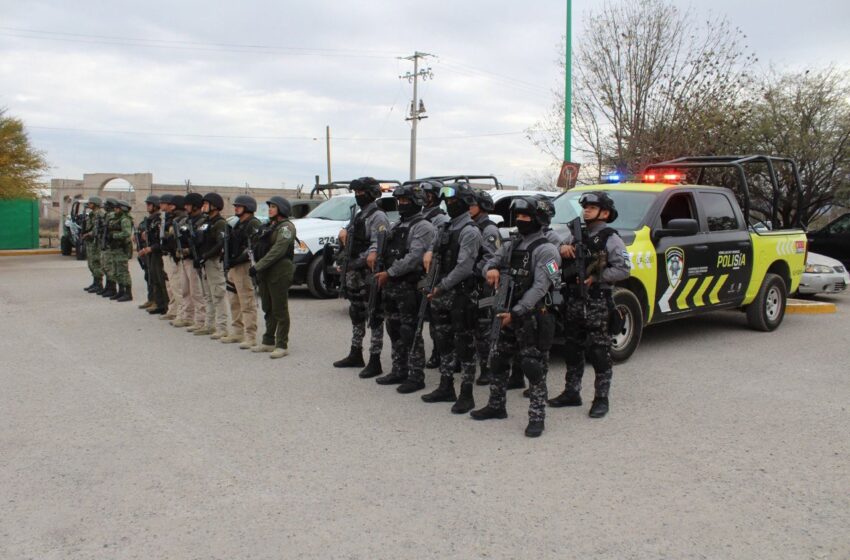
x=65, y=245
x=628, y=339
x=766, y=312
x=316, y=279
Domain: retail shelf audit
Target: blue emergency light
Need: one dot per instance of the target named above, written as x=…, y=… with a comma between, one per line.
x=613, y=178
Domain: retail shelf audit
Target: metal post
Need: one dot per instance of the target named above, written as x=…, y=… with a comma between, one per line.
x=415, y=114
x=328, y=150
x=568, y=91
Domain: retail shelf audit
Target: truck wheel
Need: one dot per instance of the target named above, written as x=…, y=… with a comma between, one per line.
x=766, y=312
x=627, y=340
x=316, y=279
x=65, y=245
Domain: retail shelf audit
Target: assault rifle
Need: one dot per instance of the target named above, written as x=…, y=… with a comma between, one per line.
x=349, y=241
x=175, y=229
x=225, y=236
x=499, y=302
x=430, y=282
x=202, y=274
x=253, y=262
x=374, y=295
x=139, y=246
x=584, y=263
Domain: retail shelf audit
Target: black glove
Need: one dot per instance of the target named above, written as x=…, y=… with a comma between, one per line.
x=252, y=272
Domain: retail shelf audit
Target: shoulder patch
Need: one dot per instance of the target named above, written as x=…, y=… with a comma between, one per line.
x=552, y=268
x=382, y=227
x=287, y=233
x=627, y=259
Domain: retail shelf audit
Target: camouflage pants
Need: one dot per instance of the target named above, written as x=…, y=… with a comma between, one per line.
x=588, y=337
x=106, y=265
x=454, y=318
x=482, y=332
x=93, y=259
x=401, y=308
x=528, y=341
x=357, y=290
x=118, y=264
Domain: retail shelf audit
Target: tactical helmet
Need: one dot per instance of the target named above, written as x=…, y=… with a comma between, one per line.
x=546, y=201
x=124, y=205
x=531, y=206
x=152, y=199
x=413, y=191
x=111, y=202
x=179, y=201
x=461, y=190
x=368, y=184
x=194, y=199
x=166, y=199
x=95, y=200
x=602, y=200
x=283, y=206
x=484, y=201
x=432, y=186
x=246, y=202
x=215, y=200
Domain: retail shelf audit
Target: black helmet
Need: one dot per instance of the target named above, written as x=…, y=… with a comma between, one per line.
x=531, y=206
x=95, y=201
x=413, y=191
x=283, y=206
x=124, y=205
x=179, y=201
x=152, y=199
x=461, y=190
x=195, y=199
x=484, y=201
x=247, y=202
x=368, y=184
x=166, y=199
x=546, y=201
x=602, y=200
x=215, y=200
x=111, y=202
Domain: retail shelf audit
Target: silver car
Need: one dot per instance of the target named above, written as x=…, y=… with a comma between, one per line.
x=823, y=275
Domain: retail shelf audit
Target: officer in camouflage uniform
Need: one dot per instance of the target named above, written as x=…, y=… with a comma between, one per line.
x=243, y=303
x=362, y=233
x=533, y=263
x=91, y=231
x=406, y=244
x=109, y=288
x=435, y=214
x=120, y=236
x=491, y=240
x=453, y=307
x=586, y=322
x=275, y=249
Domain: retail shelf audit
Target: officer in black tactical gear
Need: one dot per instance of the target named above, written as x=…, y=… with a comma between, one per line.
x=362, y=233
x=491, y=240
x=190, y=238
x=243, y=303
x=453, y=306
x=532, y=264
x=151, y=206
x=586, y=322
x=152, y=254
x=211, y=249
x=434, y=213
x=406, y=244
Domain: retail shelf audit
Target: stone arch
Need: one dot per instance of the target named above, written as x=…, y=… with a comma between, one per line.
x=142, y=183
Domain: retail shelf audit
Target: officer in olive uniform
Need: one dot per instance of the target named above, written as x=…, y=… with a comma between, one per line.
x=153, y=255
x=243, y=303
x=406, y=244
x=109, y=288
x=194, y=297
x=586, y=322
x=491, y=240
x=435, y=214
x=453, y=307
x=120, y=235
x=211, y=251
x=362, y=233
x=533, y=264
x=275, y=249
x=91, y=235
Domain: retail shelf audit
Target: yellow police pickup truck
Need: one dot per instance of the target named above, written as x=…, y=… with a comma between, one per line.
x=696, y=248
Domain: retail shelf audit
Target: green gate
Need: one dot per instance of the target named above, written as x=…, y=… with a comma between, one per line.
x=19, y=224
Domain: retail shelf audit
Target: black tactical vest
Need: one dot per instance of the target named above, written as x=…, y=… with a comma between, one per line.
x=362, y=238
x=431, y=213
x=521, y=266
x=597, y=242
x=239, y=236
x=397, y=245
x=450, y=249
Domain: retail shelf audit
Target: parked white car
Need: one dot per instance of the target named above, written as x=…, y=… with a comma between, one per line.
x=823, y=275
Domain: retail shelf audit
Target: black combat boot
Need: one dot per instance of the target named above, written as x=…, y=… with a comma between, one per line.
x=599, y=408
x=410, y=386
x=158, y=310
x=392, y=378
x=97, y=287
x=484, y=376
x=118, y=293
x=465, y=402
x=444, y=393
x=126, y=295
x=91, y=287
x=488, y=413
x=99, y=290
x=516, y=380
x=534, y=428
x=109, y=291
x=567, y=398
x=434, y=361
x=354, y=359
x=373, y=368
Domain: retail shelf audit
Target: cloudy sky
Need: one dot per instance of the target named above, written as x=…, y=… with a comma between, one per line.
x=225, y=93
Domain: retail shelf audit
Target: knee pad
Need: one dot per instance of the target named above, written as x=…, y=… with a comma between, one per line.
x=600, y=358
x=533, y=370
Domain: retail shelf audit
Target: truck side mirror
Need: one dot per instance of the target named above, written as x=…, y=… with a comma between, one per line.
x=679, y=227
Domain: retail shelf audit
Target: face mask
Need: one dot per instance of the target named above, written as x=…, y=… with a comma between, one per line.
x=408, y=210
x=362, y=199
x=455, y=209
x=525, y=228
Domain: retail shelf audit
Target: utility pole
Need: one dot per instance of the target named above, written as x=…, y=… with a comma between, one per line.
x=417, y=107
x=568, y=90
x=328, y=151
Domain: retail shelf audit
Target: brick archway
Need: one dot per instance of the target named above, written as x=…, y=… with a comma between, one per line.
x=142, y=183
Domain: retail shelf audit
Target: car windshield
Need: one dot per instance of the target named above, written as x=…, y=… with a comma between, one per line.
x=631, y=206
x=338, y=209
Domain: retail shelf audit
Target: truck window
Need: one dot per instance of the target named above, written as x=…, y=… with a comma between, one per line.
x=719, y=212
x=841, y=225
x=680, y=206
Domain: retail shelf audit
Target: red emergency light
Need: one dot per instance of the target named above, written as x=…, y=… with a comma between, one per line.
x=666, y=177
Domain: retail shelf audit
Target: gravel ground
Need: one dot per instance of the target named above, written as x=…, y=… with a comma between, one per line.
x=123, y=437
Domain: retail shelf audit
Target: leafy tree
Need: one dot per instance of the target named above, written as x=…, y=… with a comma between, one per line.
x=21, y=165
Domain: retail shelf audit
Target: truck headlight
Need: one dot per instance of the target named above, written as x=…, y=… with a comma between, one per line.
x=818, y=269
x=301, y=248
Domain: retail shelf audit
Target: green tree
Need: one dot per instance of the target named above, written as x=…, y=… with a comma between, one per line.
x=21, y=165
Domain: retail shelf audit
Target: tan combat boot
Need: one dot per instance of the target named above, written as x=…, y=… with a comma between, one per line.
x=278, y=353
x=218, y=335
x=262, y=348
x=204, y=331
x=180, y=323
x=230, y=339
x=247, y=345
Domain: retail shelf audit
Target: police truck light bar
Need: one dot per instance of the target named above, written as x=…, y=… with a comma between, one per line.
x=666, y=177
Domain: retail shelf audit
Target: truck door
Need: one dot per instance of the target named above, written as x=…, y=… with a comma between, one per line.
x=682, y=260
x=730, y=251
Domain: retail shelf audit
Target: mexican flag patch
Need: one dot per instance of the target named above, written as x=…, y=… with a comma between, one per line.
x=552, y=267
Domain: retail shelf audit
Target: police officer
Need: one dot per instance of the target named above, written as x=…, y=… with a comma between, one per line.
x=211, y=252
x=491, y=240
x=141, y=242
x=406, y=244
x=275, y=249
x=109, y=288
x=182, y=306
x=91, y=233
x=153, y=254
x=587, y=321
x=533, y=264
x=362, y=233
x=435, y=214
x=243, y=303
x=453, y=309
x=196, y=306
x=120, y=232
x=169, y=266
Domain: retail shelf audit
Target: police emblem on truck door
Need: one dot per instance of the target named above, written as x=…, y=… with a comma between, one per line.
x=674, y=258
